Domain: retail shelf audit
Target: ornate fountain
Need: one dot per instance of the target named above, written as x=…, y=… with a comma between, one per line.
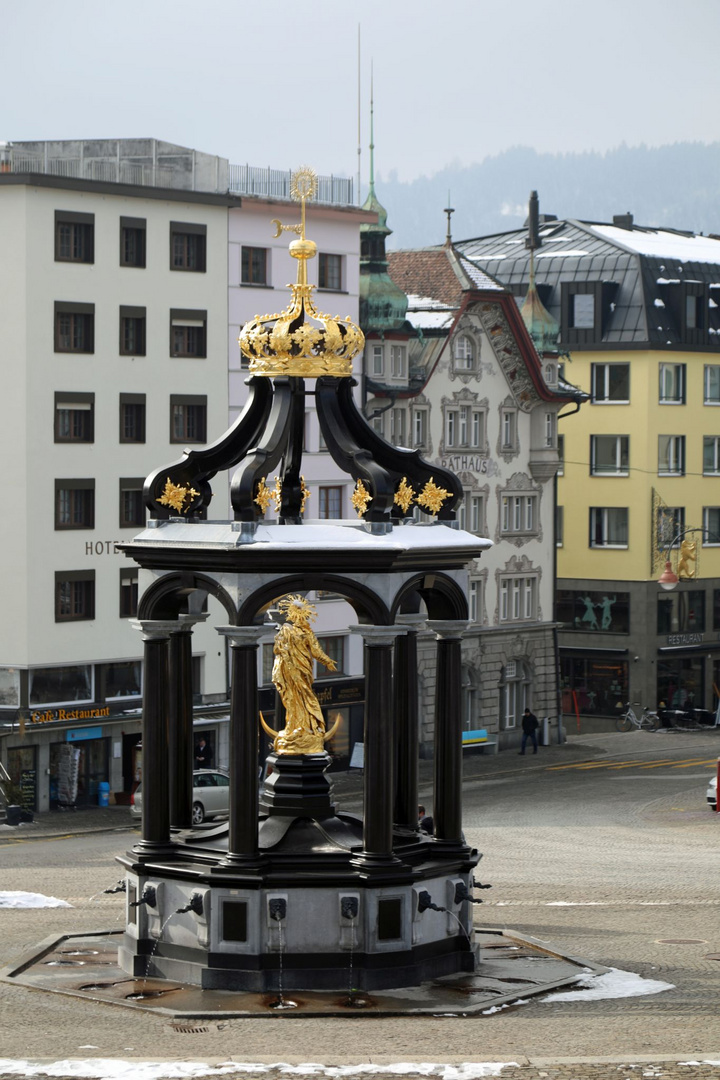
x=291, y=895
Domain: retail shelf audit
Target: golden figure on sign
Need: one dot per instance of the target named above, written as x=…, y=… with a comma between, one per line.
x=687, y=567
x=295, y=649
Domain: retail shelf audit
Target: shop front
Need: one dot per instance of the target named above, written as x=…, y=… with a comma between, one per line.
x=593, y=684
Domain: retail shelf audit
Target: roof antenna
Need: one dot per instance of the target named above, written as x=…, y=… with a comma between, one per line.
x=449, y=211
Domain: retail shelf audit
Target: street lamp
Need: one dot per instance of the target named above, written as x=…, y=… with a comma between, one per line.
x=669, y=580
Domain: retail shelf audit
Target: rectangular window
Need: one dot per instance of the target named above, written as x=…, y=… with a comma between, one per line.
x=268, y=659
x=132, y=418
x=582, y=311
x=608, y=526
x=609, y=455
x=559, y=525
x=508, y=430
x=607, y=611
x=464, y=427
x=398, y=361
x=74, y=417
x=475, y=599
x=74, y=327
x=518, y=513
x=711, y=455
x=419, y=427
x=518, y=599
x=330, y=503
x=610, y=383
x=378, y=425
x=671, y=455
x=128, y=593
x=711, y=525
x=670, y=522
x=74, y=595
x=74, y=504
x=377, y=360
x=188, y=333
x=681, y=613
x=550, y=429
x=188, y=418
x=330, y=271
x=132, y=241
x=188, y=246
x=132, y=507
x=397, y=427
x=672, y=384
x=56, y=685
x=334, y=646
x=464, y=353
x=712, y=384
x=476, y=513
x=253, y=266
x=74, y=237
x=132, y=331
x=561, y=455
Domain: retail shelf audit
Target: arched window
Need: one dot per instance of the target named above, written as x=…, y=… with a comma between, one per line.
x=514, y=693
x=464, y=353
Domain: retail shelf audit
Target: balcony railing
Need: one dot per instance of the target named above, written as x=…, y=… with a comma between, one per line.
x=275, y=184
x=241, y=179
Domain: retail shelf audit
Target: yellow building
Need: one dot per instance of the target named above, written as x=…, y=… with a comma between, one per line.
x=636, y=309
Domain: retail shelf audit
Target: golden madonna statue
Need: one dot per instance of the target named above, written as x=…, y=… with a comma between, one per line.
x=295, y=649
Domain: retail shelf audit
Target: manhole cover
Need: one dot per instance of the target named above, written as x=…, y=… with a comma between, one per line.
x=681, y=941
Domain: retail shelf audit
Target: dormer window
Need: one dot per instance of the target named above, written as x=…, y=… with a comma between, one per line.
x=582, y=311
x=398, y=361
x=464, y=353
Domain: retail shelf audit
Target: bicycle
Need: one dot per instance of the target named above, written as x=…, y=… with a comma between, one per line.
x=648, y=720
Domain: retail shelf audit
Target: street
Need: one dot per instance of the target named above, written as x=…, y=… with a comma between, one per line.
x=604, y=849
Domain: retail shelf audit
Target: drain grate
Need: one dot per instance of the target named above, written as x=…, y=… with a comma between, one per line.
x=190, y=1029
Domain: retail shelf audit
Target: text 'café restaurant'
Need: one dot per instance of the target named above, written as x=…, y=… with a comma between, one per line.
x=67, y=756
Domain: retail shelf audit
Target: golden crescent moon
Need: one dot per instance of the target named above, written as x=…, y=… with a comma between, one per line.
x=278, y=225
x=329, y=734
x=268, y=730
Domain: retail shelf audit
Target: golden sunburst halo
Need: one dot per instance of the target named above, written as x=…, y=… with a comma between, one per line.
x=432, y=496
x=303, y=183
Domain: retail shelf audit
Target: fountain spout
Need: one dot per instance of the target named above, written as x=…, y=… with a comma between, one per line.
x=462, y=893
x=425, y=902
x=149, y=897
x=195, y=905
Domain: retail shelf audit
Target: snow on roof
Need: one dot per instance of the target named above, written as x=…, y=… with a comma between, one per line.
x=430, y=320
x=424, y=303
x=575, y=252
x=661, y=243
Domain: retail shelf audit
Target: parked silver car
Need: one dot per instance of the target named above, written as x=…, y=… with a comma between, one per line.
x=712, y=792
x=211, y=796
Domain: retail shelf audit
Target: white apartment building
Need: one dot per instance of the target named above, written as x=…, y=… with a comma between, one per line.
x=121, y=283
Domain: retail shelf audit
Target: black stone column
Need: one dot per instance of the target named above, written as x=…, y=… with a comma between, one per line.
x=244, y=742
x=447, y=801
x=155, y=789
x=181, y=722
x=405, y=686
x=378, y=740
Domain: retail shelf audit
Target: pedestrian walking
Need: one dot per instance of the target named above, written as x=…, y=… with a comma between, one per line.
x=530, y=726
x=425, y=822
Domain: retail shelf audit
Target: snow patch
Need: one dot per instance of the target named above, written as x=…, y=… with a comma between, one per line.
x=613, y=984
x=30, y=900
x=109, y=1069
x=659, y=302
x=662, y=243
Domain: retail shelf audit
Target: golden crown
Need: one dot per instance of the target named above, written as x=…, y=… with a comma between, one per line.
x=300, y=340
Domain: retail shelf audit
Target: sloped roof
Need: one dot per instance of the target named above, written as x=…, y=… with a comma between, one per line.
x=643, y=272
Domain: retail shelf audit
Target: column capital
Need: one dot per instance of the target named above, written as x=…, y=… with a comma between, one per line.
x=155, y=629
x=243, y=636
x=379, y=635
x=449, y=629
x=412, y=621
x=186, y=622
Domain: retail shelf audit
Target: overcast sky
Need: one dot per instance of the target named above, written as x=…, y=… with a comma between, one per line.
x=275, y=82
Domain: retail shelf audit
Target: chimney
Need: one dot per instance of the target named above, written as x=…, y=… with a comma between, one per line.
x=623, y=221
x=533, y=221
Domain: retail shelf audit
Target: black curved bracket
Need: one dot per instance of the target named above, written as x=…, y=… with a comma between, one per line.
x=197, y=467
x=281, y=440
x=357, y=448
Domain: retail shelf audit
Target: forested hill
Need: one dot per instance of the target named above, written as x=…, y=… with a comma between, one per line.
x=676, y=186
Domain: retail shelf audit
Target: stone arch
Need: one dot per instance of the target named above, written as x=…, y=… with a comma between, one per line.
x=443, y=597
x=168, y=596
x=369, y=608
